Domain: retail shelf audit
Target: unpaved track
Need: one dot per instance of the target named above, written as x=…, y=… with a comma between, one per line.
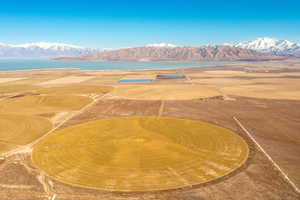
x=67, y=119
x=268, y=156
x=28, y=147
x=161, y=109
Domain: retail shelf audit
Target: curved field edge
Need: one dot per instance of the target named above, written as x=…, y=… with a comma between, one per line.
x=13, y=140
x=241, y=163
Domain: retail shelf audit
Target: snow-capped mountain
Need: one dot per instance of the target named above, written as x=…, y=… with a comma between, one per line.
x=43, y=49
x=161, y=45
x=271, y=45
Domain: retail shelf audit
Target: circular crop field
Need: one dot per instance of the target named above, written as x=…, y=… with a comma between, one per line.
x=164, y=92
x=18, y=130
x=140, y=153
x=31, y=105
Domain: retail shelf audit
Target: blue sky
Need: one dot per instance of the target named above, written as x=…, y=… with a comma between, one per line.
x=116, y=23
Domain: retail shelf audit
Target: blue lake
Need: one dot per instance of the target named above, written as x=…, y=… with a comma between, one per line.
x=30, y=64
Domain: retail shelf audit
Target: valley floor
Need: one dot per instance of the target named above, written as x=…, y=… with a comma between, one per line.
x=264, y=98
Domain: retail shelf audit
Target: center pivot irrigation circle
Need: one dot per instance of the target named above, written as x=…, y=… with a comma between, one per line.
x=140, y=153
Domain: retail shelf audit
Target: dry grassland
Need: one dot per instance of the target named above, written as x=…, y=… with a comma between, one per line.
x=291, y=92
x=75, y=89
x=140, y=153
x=140, y=76
x=241, y=74
x=109, y=108
x=258, y=85
x=5, y=147
x=7, y=89
x=105, y=80
x=5, y=80
x=20, y=130
x=15, y=128
x=143, y=153
x=32, y=80
x=34, y=105
x=67, y=80
x=164, y=92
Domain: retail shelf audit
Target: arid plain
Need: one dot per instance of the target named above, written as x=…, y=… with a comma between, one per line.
x=221, y=133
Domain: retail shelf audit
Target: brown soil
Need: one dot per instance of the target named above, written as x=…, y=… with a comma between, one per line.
x=15, y=176
x=274, y=123
x=116, y=108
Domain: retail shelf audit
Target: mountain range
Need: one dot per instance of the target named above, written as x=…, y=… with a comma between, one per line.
x=42, y=49
x=173, y=53
x=258, y=49
x=270, y=45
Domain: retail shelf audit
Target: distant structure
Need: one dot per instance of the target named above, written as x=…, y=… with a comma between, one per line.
x=145, y=80
x=170, y=76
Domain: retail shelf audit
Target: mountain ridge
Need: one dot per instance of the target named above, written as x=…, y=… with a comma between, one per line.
x=271, y=45
x=155, y=51
x=43, y=49
x=203, y=53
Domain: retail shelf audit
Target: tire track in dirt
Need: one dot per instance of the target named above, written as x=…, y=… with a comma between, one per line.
x=161, y=108
x=285, y=176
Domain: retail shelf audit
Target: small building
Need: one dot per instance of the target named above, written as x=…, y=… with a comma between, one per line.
x=170, y=76
x=145, y=80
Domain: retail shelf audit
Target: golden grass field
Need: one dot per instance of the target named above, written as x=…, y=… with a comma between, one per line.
x=5, y=80
x=18, y=121
x=34, y=105
x=5, y=147
x=31, y=81
x=164, y=92
x=140, y=153
x=258, y=85
x=140, y=76
x=18, y=130
x=6, y=89
x=67, y=80
x=291, y=92
x=75, y=89
x=57, y=90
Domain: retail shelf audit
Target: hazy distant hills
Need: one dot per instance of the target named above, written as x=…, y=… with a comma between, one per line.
x=273, y=46
x=42, y=49
x=173, y=53
x=258, y=49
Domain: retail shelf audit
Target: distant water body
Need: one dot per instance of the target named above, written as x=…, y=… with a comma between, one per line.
x=33, y=64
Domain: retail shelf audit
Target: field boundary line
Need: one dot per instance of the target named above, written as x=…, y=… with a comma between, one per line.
x=75, y=113
x=161, y=108
x=30, y=145
x=294, y=186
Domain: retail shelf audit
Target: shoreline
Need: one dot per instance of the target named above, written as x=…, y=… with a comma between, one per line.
x=107, y=70
x=114, y=70
x=113, y=66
